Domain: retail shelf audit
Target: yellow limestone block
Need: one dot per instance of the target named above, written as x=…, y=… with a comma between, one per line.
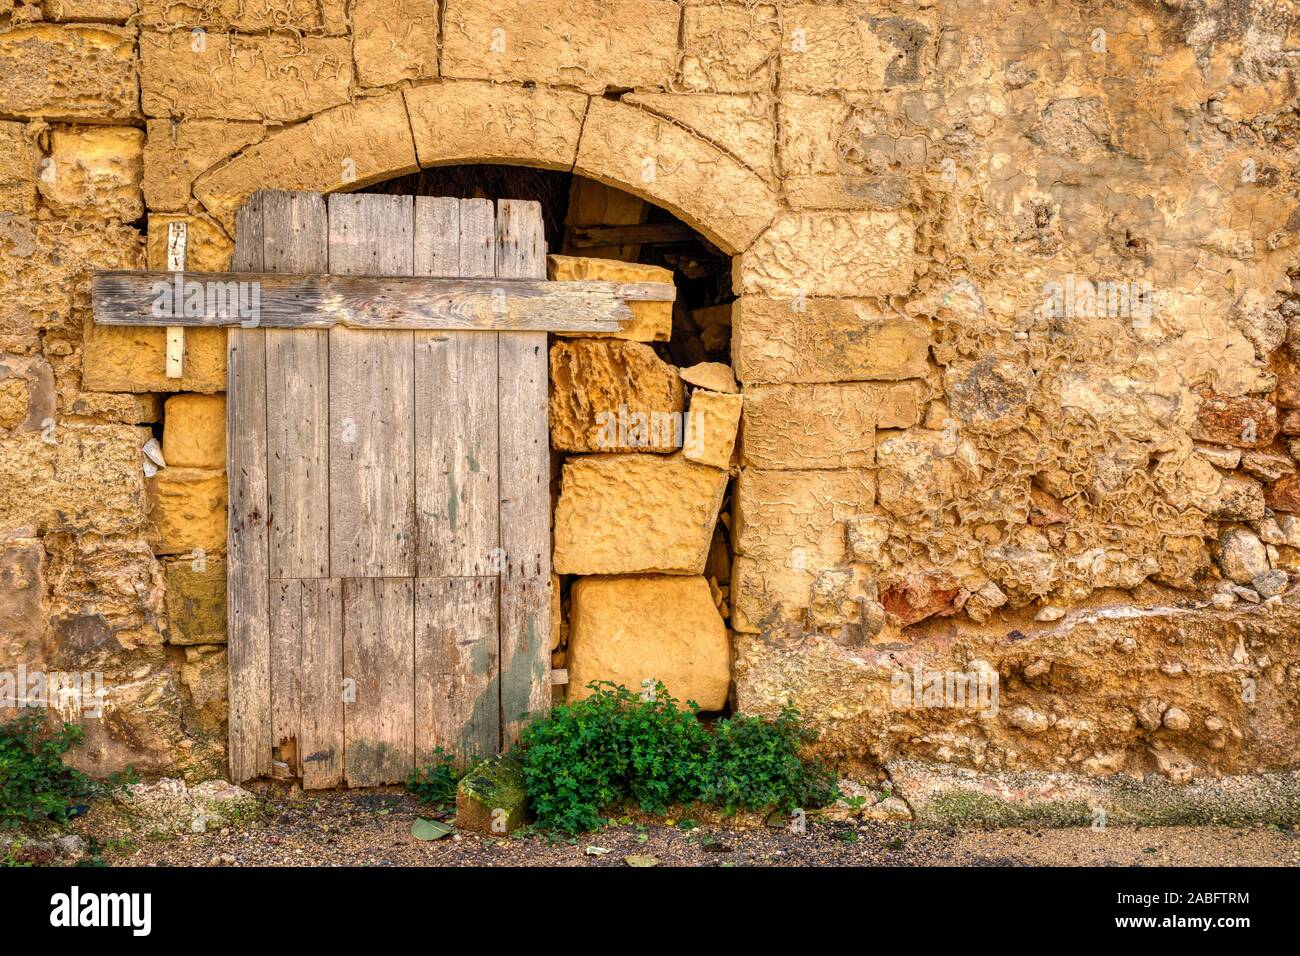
x=194, y=431
x=634, y=630
x=189, y=510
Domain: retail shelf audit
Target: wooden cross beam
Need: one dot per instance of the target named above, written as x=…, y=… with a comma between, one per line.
x=279, y=301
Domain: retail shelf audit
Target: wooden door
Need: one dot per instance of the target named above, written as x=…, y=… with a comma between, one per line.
x=389, y=566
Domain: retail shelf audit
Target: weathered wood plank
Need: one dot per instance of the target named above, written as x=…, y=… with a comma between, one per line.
x=457, y=690
x=437, y=236
x=379, y=655
x=641, y=234
x=320, y=745
x=367, y=302
x=455, y=420
x=247, y=600
x=297, y=397
x=286, y=671
x=525, y=485
x=372, y=392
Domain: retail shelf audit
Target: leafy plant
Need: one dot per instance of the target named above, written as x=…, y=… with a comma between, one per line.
x=615, y=747
x=435, y=783
x=35, y=784
x=754, y=764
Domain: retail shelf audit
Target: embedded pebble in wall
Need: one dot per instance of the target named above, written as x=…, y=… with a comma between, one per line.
x=1241, y=555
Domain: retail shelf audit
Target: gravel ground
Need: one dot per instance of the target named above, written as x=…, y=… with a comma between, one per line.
x=374, y=829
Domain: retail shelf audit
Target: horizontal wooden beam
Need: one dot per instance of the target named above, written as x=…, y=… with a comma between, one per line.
x=642, y=234
x=280, y=301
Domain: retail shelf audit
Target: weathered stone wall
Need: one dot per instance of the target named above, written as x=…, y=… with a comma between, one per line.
x=941, y=463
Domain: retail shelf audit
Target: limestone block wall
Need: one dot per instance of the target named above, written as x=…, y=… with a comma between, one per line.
x=1015, y=334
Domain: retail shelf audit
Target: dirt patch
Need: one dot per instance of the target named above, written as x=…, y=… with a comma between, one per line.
x=374, y=829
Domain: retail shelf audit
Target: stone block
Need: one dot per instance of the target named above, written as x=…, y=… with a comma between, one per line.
x=69, y=73
x=270, y=77
x=194, y=431
x=189, y=510
x=799, y=517
x=729, y=47
x=95, y=171
x=629, y=514
x=77, y=478
x=711, y=428
x=125, y=358
x=196, y=600
x=634, y=630
x=824, y=340
x=588, y=44
x=837, y=254
x=608, y=396
x=824, y=426
x=394, y=40
x=18, y=167
x=711, y=191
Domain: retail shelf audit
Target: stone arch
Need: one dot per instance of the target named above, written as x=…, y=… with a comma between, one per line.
x=357, y=144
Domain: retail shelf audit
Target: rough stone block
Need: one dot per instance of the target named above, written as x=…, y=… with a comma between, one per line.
x=629, y=514
x=233, y=16
x=196, y=600
x=194, y=431
x=189, y=510
x=823, y=426
x=1284, y=495
x=491, y=798
x=78, y=478
x=69, y=72
x=821, y=340
x=175, y=154
x=630, y=630
x=651, y=157
x=27, y=396
x=729, y=47
x=45, y=271
x=121, y=358
x=89, y=11
x=742, y=125
x=343, y=148
x=394, y=40
x=836, y=48
x=715, y=376
x=588, y=44
x=613, y=396
x=650, y=322
x=799, y=517
x=839, y=254
x=711, y=427
x=921, y=470
x=207, y=247
x=474, y=122
x=18, y=166
x=274, y=78
x=1240, y=422
x=95, y=171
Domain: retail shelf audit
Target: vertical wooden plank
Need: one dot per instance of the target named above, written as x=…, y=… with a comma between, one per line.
x=286, y=671
x=457, y=692
x=379, y=653
x=321, y=742
x=455, y=408
x=247, y=599
x=372, y=494
x=525, y=484
x=437, y=236
x=297, y=385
